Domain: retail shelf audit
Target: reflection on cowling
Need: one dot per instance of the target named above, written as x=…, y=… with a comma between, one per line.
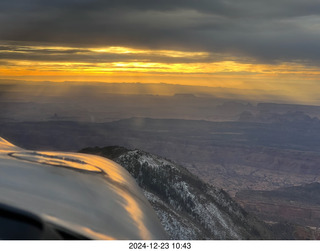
x=6, y=146
x=55, y=159
x=87, y=194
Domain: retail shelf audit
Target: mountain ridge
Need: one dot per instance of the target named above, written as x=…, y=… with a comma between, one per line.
x=187, y=207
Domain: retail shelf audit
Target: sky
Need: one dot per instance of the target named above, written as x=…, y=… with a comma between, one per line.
x=265, y=45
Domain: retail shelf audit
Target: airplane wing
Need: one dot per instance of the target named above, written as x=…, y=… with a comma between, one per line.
x=63, y=195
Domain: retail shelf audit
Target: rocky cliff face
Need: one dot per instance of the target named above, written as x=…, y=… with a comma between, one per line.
x=187, y=207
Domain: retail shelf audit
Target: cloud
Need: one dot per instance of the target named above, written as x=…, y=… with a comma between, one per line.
x=11, y=52
x=265, y=30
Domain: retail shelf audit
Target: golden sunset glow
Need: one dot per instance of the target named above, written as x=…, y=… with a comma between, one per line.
x=227, y=44
x=118, y=64
x=169, y=53
x=145, y=64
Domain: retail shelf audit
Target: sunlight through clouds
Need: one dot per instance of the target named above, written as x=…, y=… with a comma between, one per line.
x=36, y=59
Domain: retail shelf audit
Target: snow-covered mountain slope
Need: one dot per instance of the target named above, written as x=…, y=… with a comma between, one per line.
x=187, y=207
x=83, y=194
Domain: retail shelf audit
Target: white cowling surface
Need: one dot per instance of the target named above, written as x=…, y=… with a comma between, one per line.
x=87, y=194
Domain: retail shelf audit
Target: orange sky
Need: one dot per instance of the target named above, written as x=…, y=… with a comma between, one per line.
x=144, y=65
x=249, y=45
x=123, y=64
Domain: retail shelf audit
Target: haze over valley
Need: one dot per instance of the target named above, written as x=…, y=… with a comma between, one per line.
x=241, y=146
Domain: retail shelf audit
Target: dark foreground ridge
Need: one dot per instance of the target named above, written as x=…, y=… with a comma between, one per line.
x=187, y=207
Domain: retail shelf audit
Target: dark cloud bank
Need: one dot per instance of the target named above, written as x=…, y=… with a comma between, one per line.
x=268, y=31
